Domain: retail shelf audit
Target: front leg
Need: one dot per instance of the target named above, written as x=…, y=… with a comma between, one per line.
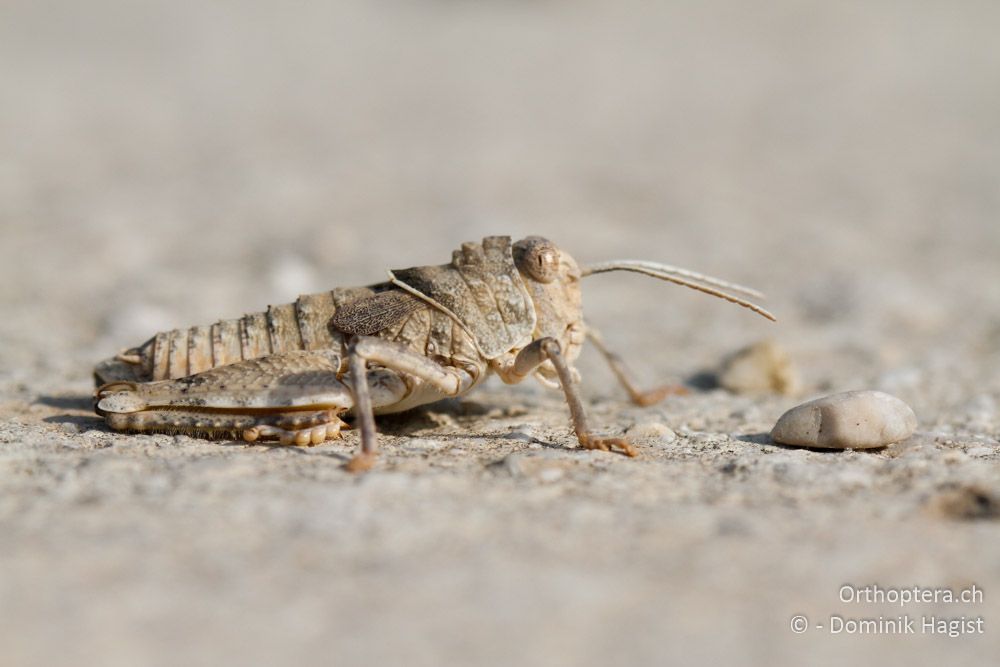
x=548, y=349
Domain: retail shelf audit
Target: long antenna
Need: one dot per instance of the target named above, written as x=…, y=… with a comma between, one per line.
x=678, y=276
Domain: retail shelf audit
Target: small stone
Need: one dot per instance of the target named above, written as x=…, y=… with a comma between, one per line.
x=651, y=431
x=853, y=419
x=761, y=367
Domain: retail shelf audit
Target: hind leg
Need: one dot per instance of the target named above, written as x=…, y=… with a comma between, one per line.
x=292, y=397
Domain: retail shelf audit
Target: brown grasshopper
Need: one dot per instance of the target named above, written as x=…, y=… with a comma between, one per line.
x=428, y=333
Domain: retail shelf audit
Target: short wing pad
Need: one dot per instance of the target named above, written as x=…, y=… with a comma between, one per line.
x=376, y=313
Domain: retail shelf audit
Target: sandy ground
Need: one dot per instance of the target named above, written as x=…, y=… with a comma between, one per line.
x=173, y=164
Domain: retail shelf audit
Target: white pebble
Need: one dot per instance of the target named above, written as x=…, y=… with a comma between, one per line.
x=853, y=419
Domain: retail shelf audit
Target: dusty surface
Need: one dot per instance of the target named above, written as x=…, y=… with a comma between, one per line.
x=175, y=164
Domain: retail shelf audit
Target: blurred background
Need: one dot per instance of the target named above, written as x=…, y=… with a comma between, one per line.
x=170, y=163
x=825, y=151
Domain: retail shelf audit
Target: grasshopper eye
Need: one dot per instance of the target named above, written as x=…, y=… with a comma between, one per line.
x=537, y=257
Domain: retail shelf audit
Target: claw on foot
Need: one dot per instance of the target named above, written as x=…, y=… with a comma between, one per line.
x=608, y=444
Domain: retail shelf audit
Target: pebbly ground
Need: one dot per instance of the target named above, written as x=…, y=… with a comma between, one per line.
x=175, y=164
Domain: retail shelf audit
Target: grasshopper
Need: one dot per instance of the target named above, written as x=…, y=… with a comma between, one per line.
x=427, y=333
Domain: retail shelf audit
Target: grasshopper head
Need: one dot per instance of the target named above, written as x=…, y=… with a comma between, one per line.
x=553, y=281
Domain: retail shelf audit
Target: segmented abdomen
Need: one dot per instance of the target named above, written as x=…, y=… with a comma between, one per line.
x=302, y=325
